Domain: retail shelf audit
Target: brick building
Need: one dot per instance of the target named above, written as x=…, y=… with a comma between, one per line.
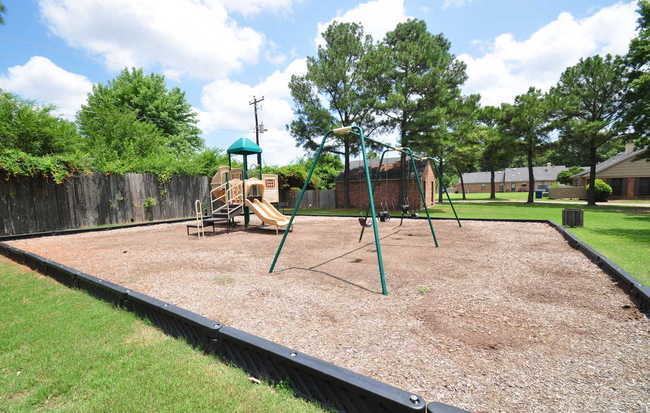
x=386, y=184
x=511, y=179
x=626, y=173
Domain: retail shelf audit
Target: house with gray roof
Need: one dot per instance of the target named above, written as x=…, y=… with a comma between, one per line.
x=627, y=172
x=511, y=179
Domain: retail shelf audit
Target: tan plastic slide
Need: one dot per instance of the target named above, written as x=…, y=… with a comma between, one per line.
x=268, y=214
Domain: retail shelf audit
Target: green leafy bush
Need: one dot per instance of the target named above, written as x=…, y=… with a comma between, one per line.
x=33, y=129
x=149, y=202
x=564, y=177
x=603, y=190
x=294, y=175
x=132, y=124
x=18, y=163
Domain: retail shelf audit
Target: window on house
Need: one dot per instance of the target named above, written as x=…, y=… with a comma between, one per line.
x=269, y=183
x=643, y=186
x=501, y=188
x=513, y=187
x=483, y=186
x=617, y=185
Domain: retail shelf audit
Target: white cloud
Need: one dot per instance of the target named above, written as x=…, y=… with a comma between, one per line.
x=250, y=7
x=46, y=83
x=273, y=54
x=225, y=106
x=377, y=17
x=511, y=66
x=195, y=37
x=455, y=3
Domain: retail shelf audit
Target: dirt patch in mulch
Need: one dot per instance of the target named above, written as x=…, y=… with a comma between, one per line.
x=502, y=317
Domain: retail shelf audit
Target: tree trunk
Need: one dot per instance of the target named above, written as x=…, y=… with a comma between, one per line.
x=440, y=187
x=403, y=166
x=591, y=193
x=403, y=179
x=531, y=176
x=492, y=185
x=462, y=183
x=346, y=175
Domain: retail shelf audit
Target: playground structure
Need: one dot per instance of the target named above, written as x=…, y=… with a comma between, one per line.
x=358, y=131
x=234, y=193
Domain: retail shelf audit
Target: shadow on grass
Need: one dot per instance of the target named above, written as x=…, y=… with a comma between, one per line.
x=639, y=236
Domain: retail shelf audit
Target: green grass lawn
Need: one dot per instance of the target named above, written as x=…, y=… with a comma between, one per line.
x=519, y=196
x=63, y=350
x=523, y=196
x=622, y=234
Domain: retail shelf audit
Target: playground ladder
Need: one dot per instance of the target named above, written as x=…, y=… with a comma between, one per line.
x=232, y=199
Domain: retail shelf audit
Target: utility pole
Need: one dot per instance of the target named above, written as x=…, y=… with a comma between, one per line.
x=257, y=132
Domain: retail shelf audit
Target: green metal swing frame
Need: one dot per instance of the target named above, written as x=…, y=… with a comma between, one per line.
x=412, y=159
x=358, y=131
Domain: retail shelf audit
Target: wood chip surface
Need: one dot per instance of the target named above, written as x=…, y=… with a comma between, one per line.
x=502, y=317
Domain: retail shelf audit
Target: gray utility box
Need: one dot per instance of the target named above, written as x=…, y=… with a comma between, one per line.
x=573, y=217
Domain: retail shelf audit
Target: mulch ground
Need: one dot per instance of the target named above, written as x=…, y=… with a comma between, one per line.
x=502, y=317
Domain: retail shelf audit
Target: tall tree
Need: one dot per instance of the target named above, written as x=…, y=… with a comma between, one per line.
x=528, y=122
x=561, y=154
x=418, y=80
x=116, y=134
x=589, y=102
x=637, y=98
x=147, y=99
x=3, y=10
x=464, y=158
x=452, y=140
x=497, y=149
x=334, y=92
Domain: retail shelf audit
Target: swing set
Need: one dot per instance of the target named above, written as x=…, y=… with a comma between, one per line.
x=358, y=131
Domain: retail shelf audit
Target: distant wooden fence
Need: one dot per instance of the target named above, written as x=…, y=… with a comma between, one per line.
x=571, y=192
x=314, y=198
x=38, y=204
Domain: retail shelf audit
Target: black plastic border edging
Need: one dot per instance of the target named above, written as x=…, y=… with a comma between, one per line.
x=13, y=237
x=311, y=378
x=638, y=292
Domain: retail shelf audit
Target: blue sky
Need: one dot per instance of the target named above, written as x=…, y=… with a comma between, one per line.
x=222, y=52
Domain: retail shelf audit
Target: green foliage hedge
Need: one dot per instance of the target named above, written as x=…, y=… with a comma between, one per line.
x=18, y=163
x=14, y=162
x=294, y=175
x=603, y=190
x=115, y=139
x=564, y=177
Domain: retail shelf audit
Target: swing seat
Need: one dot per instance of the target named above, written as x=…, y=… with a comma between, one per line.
x=405, y=209
x=384, y=216
x=364, y=222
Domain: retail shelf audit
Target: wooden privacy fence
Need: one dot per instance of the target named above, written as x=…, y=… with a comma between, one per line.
x=35, y=204
x=576, y=192
x=314, y=198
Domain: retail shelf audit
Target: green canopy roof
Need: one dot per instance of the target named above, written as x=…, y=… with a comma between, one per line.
x=244, y=146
